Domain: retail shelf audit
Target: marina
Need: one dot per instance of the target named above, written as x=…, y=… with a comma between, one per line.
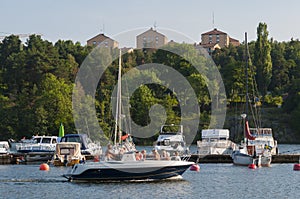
x=279, y=181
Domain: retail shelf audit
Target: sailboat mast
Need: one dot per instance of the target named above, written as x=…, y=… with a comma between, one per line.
x=120, y=96
x=118, y=106
x=246, y=72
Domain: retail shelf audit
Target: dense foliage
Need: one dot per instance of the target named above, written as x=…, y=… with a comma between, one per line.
x=37, y=79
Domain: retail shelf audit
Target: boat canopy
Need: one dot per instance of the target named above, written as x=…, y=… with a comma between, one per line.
x=67, y=148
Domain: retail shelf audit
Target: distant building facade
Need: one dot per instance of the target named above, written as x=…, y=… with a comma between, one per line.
x=217, y=39
x=103, y=40
x=151, y=39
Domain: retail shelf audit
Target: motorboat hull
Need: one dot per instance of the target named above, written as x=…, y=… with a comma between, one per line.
x=120, y=171
x=245, y=159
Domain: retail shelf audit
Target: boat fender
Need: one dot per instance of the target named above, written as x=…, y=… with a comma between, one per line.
x=252, y=166
x=195, y=167
x=296, y=167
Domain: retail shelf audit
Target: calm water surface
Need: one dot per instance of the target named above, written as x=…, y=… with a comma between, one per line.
x=213, y=181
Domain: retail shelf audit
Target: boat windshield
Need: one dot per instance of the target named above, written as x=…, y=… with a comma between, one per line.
x=46, y=140
x=37, y=140
x=170, y=143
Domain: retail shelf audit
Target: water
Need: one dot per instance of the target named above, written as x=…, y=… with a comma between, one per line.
x=213, y=181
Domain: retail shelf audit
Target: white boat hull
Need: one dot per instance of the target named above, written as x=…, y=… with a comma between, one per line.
x=132, y=170
x=242, y=159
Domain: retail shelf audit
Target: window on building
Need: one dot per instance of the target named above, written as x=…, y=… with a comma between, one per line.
x=217, y=38
x=94, y=42
x=210, y=38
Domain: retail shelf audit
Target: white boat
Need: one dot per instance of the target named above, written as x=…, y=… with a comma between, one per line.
x=256, y=148
x=38, y=144
x=4, y=147
x=215, y=142
x=67, y=154
x=38, y=148
x=264, y=140
x=171, y=140
x=128, y=169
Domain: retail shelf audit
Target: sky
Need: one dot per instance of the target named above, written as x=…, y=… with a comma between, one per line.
x=181, y=21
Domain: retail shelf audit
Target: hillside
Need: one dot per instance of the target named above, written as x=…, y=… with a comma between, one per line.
x=272, y=117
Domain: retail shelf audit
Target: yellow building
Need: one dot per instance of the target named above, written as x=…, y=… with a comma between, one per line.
x=151, y=39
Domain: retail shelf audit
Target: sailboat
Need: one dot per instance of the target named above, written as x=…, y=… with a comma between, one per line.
x=258, y=142
x=128, y=168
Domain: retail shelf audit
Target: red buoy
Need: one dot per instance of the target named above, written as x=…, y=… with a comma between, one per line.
x=252, y=166
x=195, y=167
x=96, y=159
x=296, y=167
x=44, y=167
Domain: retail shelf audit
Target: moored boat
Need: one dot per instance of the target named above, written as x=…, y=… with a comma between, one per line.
x=256, y=148
x=4, y=147
x=215, y=142
x=38, y=148
x=67, y=154
x=38, y=144
x=171, y=140
x=88, y=147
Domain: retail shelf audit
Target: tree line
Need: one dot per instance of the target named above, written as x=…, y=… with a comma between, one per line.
x=37, y=79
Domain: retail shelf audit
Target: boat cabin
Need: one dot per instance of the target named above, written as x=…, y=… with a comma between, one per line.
x=260, y=132
x=171, y=139
x=38, y=143
x=44, y=139
x=79, y=138
x=87, y=146
x=214, y=134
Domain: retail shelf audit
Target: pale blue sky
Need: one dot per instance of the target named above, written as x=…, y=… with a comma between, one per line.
x=81, y=20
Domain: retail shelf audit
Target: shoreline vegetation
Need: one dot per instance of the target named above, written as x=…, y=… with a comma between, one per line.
x=37, y=79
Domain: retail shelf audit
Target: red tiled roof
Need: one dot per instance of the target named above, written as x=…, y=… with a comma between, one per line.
x=102, y=35
x=214, y=32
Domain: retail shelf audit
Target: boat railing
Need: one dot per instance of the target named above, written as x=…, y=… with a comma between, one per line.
x=36, y=147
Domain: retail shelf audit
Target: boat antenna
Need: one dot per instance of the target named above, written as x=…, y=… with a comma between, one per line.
x=213, y=20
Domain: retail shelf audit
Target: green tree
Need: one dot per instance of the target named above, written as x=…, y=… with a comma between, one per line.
x=262, y=58
x=53, y=106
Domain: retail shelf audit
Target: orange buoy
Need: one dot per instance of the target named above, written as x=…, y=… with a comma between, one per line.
x=296, y=167
x=44, y=167
x=195, y=167
x=252, y=166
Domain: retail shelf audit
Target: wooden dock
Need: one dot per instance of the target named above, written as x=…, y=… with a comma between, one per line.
x=6, y=159
x=277, y=159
